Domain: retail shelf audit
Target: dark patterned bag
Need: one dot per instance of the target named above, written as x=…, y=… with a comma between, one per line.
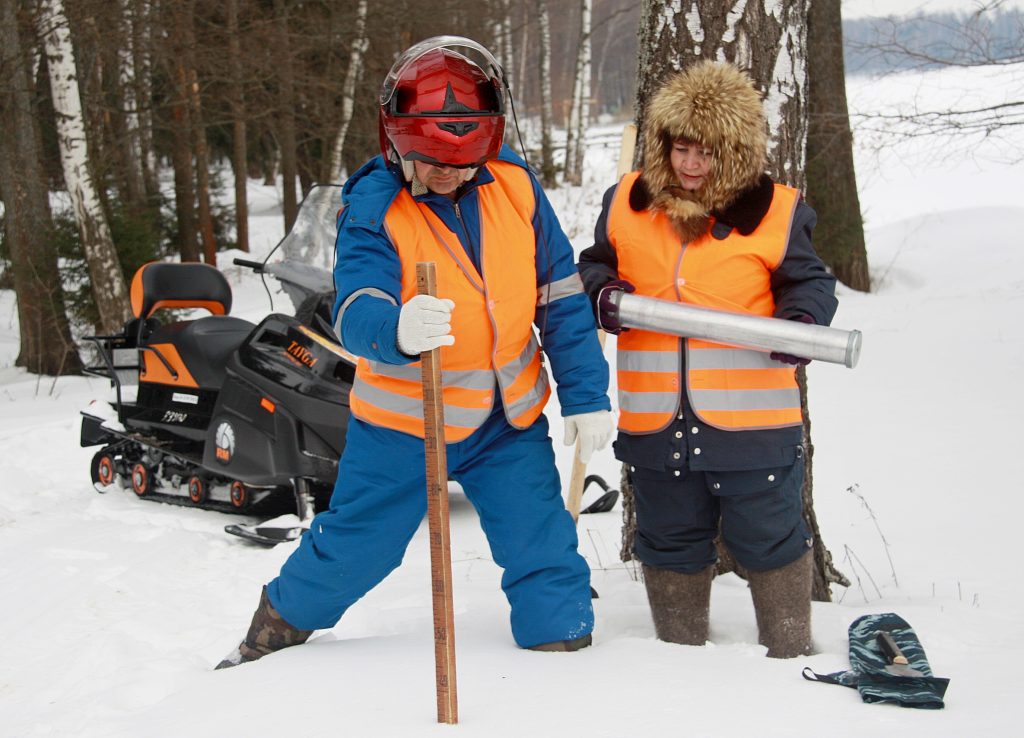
x=887, y=664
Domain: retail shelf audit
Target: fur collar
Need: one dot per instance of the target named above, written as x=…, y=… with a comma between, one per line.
x=744, y=214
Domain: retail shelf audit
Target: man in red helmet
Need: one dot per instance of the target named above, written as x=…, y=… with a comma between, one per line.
x=445, y=190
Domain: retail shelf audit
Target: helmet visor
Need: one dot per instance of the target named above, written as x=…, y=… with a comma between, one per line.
x=490, y=65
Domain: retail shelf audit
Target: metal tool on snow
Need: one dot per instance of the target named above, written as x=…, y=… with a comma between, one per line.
x=898, y=664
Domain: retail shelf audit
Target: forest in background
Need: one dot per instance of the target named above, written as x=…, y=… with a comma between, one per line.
x=179, y=98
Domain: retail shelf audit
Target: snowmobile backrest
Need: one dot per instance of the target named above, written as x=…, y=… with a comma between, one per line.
x=159, y=285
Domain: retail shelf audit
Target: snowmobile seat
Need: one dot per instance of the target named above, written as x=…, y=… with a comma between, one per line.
x=189, y=353
x=170, y=285
x=197, y=351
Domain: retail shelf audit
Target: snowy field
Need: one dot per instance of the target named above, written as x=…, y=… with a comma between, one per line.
x=116, y=610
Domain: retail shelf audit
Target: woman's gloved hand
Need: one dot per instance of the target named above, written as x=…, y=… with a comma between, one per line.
x=424, y=323
x=608, y=311
x=789, y=358
x=593, y=429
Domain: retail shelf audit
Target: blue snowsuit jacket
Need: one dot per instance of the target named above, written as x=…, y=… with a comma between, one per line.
x=368, y=263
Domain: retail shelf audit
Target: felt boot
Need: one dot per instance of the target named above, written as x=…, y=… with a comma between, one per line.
x=574, y=645
x=268, y=632
x=679, y=604
x=782, y=605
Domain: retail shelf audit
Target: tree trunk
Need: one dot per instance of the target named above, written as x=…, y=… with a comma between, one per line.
x=132, y=144
x=181, y=158
x=142, y=56
x=286, y=114
x=336, y=171
x=108, y=285
x=198, y=136
x=45, y=337
x=547, y=157
x=579, y=116
x=831, y=179
x=769, y=41
x=239, y=144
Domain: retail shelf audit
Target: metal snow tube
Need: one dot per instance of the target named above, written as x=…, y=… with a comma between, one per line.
x=817, y=342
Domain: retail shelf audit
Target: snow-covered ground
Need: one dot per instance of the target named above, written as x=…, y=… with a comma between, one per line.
x=115, y=610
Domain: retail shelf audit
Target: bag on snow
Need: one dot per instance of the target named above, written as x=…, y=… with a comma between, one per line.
x=877, y=670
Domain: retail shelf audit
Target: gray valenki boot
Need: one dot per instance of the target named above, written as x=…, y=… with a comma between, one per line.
x=572, y=645
x=679, y=604
x=782, y=605
x=268, y=632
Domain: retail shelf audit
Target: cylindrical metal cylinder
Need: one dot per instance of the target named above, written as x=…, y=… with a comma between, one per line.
x=817, y=342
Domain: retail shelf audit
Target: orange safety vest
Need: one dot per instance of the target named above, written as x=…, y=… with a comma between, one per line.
x=728, y=387
x=492, y=321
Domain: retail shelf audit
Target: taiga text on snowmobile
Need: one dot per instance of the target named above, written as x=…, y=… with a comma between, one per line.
x=217, y=412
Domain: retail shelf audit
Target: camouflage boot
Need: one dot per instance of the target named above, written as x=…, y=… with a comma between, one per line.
x=679, y=604
x=574, y=645
x=268, y=632
x=782, y=605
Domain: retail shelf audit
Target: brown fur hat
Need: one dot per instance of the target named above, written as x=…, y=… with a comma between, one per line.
x=713, y=104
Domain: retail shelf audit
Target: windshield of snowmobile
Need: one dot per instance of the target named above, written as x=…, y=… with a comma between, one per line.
x=312, y=236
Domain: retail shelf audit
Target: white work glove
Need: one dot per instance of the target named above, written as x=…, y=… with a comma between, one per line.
x=594, y=430
x=424, y=324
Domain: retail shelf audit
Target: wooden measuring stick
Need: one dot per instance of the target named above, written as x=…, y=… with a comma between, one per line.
x=438, y=520
x=579, y=469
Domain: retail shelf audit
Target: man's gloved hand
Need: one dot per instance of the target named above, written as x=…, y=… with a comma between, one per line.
x=608, y=311
x=789, y=358
x=594, y=430
x=424, y=324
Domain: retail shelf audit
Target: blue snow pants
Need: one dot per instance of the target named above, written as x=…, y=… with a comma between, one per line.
x=380, y=499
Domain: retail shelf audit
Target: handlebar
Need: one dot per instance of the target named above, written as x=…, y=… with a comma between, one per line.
x=256, y=266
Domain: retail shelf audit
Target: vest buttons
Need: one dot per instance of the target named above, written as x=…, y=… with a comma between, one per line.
x=490, y=304
x=696, y=452
x=675, y=455
x=694, y=430
x=771, y=477
x=677, y=472
x=679, y=434
x=718, y=485
x=681, y=282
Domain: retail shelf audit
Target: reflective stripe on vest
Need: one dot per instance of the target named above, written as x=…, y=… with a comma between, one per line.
x=728, y=387
x=492, y=322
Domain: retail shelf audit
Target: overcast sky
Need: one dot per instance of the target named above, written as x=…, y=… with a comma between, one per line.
x=858, y=8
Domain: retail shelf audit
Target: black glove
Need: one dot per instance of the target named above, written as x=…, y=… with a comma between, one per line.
x=789, y=358
x=608, y=311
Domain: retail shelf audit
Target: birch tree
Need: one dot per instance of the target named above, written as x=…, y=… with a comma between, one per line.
x=579, y=110
x=108, y=285
x=360, y=44
x=769, y=40
x=45, y=337
x=547, y=156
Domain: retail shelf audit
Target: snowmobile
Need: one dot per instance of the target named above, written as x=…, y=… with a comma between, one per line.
x=219, y=413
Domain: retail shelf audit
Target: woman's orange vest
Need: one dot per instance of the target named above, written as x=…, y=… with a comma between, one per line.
x=728, y=387
x=492, y=321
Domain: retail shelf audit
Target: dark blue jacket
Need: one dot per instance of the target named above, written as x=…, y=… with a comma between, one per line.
x=367, y=260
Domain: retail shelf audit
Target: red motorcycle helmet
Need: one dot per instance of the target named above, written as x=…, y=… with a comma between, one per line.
x=438, y=106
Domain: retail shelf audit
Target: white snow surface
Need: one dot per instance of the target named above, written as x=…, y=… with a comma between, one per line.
x=115, y=610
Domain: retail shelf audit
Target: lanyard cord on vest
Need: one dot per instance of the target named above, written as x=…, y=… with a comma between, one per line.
x=547, y=260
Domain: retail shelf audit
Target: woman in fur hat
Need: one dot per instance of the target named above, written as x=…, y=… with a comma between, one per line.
x=712, y=433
